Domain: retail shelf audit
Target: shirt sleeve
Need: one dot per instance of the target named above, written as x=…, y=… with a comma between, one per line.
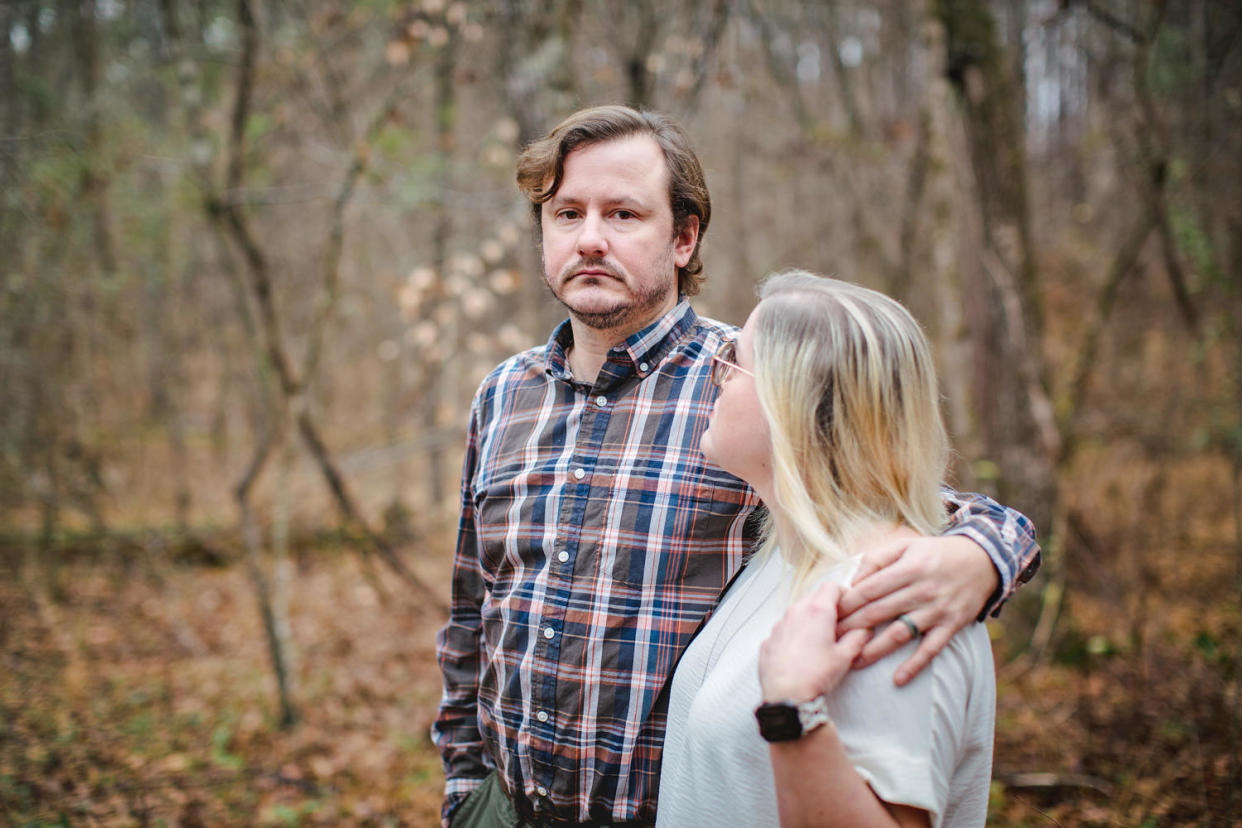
x=1007, y=535
x=927, y=744
x=455, y=730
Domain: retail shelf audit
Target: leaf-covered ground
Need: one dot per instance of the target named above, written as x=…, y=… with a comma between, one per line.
x=138, y=692
x=142, y=695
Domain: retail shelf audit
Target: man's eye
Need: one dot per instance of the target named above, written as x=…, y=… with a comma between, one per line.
x=569, y=215
x=624, y=214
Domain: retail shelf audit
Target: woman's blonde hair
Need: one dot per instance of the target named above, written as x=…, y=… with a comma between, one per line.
x=846, y=380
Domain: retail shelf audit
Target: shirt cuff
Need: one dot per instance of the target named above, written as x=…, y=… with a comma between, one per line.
x=1001, y=562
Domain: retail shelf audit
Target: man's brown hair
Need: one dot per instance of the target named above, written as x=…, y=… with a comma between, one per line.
x=541, y=167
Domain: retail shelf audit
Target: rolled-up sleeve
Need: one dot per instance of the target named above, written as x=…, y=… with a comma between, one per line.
x=1007, y=536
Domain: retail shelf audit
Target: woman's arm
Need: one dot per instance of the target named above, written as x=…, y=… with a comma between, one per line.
x=816, y=784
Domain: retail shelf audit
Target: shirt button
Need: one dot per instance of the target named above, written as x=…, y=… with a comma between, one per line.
x=548, y=632
x=579, y=474
x=562, y=556
x=541, y=790
x=601, y=401
x=542, y=715
x=642, y=366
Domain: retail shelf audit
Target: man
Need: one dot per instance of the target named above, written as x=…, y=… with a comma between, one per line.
x=594, y=536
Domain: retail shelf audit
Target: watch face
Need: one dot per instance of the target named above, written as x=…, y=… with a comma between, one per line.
x=778, y=722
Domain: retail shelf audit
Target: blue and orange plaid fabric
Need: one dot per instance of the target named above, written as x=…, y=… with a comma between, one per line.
x=594, y=538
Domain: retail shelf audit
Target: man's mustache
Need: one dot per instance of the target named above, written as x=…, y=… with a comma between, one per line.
x=591, y=264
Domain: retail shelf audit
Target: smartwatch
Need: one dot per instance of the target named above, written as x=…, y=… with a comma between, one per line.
x=785, y=721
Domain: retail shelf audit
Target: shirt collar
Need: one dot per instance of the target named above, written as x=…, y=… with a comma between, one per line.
x=640, y=353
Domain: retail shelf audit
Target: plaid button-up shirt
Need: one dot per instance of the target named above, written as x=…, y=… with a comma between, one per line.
x=594, y=538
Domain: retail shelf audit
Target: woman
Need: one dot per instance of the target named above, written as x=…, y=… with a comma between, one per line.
x=829, y=409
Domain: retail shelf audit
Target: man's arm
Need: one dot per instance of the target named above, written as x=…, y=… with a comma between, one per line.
x=459, y=653
x=941, y=584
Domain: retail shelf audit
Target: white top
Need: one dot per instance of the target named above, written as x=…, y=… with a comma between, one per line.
x=927, y=745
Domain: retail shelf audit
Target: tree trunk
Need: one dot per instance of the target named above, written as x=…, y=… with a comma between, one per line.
x=282, y=575
x=637, y=71
x=939, y=189
x=278, y=649
x=94, y=185
x=1233, y=269
x=1019, y=436
x=439, y=382
x=1006, y=309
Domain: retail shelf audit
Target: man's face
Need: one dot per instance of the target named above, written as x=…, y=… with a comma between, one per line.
x=609, y=251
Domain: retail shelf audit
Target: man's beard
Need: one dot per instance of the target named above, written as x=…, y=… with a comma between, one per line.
x=642, y=303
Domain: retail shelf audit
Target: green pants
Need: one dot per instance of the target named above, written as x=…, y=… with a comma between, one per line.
x=488, y=806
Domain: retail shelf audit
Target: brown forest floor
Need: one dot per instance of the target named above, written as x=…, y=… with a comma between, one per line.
x=137, y=692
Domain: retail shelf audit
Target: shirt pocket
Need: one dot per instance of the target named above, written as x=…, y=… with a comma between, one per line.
x=682, y=540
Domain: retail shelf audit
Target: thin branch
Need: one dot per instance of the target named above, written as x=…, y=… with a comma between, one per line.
x=1173, y=266
x=328, y=104
x=292, y=388
x=784, y=77
x=1026, y=344
x=231, y=214
x=711, y=42
x=329, y=289
x=636, y=63
x=245, y=87
x=916, y=185
x=832, y=25
x=378, y=543
x=276, y=644
x=1123, y=265
x=261, y=287
x=1153, y=145
x=1112, y=21
x=1053, y=781
x=257, y=462
x=1216, y=60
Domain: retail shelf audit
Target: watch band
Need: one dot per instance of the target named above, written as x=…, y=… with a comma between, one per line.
x=813, y=713
x=785, y=721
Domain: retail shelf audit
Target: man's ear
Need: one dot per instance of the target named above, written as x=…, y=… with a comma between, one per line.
x=685, y=239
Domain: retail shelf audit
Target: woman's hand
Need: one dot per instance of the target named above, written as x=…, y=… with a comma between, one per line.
x=803, y=657
x=941, y=584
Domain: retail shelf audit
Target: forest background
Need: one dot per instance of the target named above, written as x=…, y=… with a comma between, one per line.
x=255, y=255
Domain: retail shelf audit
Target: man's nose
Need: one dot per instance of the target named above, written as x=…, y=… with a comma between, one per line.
x=592, y=239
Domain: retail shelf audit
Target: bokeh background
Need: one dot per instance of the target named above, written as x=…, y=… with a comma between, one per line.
x=256, y=254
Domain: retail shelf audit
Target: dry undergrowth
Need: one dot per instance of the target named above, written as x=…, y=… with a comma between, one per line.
x=136, y=692
x=142, y=696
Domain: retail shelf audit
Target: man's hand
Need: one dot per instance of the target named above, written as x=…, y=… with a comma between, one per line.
x=940, y=584
x=804, y=657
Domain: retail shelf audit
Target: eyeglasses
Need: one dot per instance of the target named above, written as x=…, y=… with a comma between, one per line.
x=724, y=363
